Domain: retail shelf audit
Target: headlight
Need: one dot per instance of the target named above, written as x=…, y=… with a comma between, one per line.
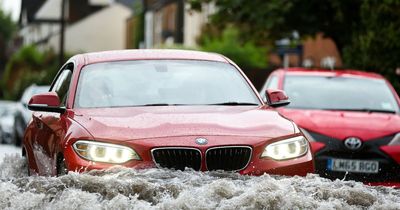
x=104, y=152
x=286, y=149
x=395, y=140
x=307, y=135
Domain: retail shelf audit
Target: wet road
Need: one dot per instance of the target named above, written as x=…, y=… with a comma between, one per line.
x=8, y=150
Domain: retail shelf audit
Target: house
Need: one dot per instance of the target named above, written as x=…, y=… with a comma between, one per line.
x=172, y=22
x=91, y=25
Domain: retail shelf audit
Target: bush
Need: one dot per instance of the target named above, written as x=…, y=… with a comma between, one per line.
x=246, y=54
x=25, y=67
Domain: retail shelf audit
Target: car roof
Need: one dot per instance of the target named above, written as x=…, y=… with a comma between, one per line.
x=330, y=73
x=151, y=54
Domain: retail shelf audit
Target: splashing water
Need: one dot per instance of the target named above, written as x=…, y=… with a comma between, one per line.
x=124, y=188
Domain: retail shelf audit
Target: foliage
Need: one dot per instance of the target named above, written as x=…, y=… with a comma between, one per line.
x=266, y=21
x=376, y=46
x=366, y=32
x=138, y=36
x=7, y=28
x=245, y=54
x=25, y=67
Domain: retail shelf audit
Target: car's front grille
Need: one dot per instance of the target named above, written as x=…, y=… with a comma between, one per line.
x=228, y=158
x=177, y=158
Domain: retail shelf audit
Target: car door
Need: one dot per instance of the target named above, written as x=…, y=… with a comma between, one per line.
x=51, y=127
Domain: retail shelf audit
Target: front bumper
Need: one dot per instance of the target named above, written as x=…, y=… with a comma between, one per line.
x=256, y=165
x=372, y=150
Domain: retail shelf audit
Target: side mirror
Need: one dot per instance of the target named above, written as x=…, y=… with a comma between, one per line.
x=46, y=102
x=276, y=98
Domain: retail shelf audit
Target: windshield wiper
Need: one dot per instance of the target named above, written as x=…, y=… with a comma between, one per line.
x=232, y=103
x=224, y=104
x=365, y=110
x=161, y=104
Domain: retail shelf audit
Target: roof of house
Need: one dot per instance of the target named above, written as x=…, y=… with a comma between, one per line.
x=149, y=54
x=30, y=7
x=51, y=9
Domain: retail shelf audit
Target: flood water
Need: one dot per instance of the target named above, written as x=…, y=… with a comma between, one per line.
x=123, y=188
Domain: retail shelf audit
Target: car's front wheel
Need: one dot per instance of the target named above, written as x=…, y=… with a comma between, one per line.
x=61, y=167
x=24, y=155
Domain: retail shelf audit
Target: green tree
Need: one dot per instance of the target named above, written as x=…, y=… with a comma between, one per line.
x=138, y=35
x=376, y=45
x=245, y=54
x=366, y=32
x=7, y=29
x=25, y=67
x=269, y=20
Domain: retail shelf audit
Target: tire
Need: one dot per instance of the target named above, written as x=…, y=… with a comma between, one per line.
x=28, y=171
x=19, y=130
x=61, y=167
x=14, y=140
x=1, y=136
x=2, y=141
x=17, y=138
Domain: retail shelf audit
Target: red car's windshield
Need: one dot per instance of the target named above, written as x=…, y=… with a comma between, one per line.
x=339, y=93
x=162, y=82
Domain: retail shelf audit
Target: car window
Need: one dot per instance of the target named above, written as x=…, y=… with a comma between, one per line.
x=271, y=83
x=178, y=82
x=339, y=93
x=62, y=85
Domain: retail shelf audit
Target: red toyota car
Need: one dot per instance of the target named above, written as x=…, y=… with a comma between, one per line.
x=351, y=119
x=160, y=108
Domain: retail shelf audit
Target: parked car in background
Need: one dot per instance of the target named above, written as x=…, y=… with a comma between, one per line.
x=28, y=93
x=351, y=119
x=8, y=122
x=25, y=115
x=160, y=108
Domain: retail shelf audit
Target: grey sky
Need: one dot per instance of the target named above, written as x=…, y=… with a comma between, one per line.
x=12, y=7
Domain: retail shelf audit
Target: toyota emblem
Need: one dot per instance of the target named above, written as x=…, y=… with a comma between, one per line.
x=201, y=141
x=353, y=143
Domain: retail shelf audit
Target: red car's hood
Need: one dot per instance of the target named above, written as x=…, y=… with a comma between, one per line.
x=151, y=122
x=343, y=124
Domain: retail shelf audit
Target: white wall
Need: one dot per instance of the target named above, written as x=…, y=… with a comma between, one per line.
x=35, y=32
x=149, y=29
x=193, y=22
x=103, y=30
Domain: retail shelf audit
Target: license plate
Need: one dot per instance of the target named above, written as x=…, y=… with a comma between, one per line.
x=359, y=166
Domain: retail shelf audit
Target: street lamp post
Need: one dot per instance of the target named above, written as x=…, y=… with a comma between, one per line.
x=62, y=33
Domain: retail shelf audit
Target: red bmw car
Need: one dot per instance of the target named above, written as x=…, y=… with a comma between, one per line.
x=351, y=119
x=160, y=108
